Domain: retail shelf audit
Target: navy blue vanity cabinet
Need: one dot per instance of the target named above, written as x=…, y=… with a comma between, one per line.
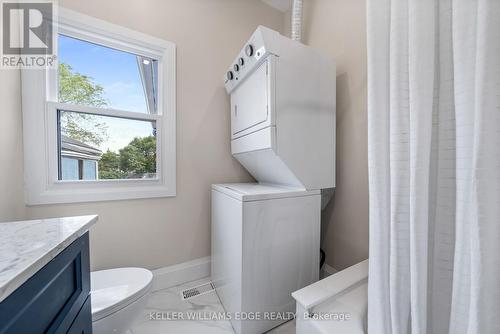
x=83, y=321
x=54, y=300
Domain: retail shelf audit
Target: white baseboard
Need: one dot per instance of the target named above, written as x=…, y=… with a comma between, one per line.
x=170, y=276
x=167, y=277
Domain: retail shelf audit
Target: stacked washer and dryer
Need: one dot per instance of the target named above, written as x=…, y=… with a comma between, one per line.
x=266, y=235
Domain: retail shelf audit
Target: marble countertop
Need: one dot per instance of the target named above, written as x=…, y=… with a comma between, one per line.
x=27, y=246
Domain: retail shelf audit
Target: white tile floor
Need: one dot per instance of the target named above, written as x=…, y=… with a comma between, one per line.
x=169, y=300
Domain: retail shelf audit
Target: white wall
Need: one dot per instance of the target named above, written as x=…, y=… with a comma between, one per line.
x=158, y=232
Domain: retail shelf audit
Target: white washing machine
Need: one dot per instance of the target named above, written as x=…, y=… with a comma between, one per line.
x=265, y=244
x=266, y=235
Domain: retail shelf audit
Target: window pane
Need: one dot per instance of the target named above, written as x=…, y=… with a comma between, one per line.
x=95, y=147
x=69, y=168
x=98, y=76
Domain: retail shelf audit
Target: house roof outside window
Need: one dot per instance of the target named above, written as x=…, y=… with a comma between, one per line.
x=71, y=148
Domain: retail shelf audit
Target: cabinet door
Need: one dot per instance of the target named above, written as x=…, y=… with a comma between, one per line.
x=83, y=321
x=49, y=301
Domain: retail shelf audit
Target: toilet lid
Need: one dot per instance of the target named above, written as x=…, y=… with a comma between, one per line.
x=114, y=289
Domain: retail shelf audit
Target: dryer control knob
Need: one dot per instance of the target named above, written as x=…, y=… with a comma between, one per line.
x=229, y=75
x=249, y=50
x=236, y=67
x=241, y=61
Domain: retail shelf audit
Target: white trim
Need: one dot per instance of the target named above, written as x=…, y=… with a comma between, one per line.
x=281, y=5
x=328, y=287
x=167, y=277
x=103, y=111
x=39, y=93
x=102, y=32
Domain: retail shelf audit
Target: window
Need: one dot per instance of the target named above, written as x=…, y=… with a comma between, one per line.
x=122, y=148
x=101, y=77
x=108, y=116
x=98, y=76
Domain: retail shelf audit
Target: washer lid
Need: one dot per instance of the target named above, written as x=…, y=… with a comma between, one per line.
x=114, y=289
x=261, y=191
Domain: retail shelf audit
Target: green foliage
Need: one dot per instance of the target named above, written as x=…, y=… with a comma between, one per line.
x=135, y=159
x=109, y=166
x=139, y=156
x=75, y=88
x=110, y=161
x=109, y=175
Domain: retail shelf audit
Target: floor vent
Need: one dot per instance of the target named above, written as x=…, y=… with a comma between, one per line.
x=198, y=290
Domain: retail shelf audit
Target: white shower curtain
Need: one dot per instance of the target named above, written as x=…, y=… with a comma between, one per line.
x=434, y=166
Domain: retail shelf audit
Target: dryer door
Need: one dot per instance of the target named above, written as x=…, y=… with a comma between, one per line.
x=250, y=102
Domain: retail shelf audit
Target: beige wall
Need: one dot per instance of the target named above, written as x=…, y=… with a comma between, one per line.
x=159, y=232
x=11, y=143
x=338, y=29
x=209, y=33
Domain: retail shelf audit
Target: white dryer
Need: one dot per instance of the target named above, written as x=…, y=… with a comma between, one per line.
x=283, y=111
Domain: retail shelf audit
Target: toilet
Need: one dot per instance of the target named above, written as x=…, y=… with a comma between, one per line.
x=118, y=298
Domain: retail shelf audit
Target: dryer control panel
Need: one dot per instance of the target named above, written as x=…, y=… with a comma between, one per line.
x=255, y=51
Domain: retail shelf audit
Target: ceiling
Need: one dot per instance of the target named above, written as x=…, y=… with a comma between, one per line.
x=282, y=5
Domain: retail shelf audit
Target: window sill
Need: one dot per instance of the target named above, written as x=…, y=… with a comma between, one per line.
x=73, y=192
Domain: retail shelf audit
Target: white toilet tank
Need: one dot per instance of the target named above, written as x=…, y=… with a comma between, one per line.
x=283, y=111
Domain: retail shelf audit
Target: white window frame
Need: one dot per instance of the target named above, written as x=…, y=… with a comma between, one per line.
x=40, y=105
